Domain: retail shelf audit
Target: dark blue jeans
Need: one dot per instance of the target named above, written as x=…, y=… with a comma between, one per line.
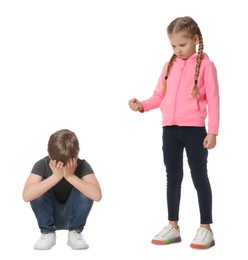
x=52, y=215
x=175, y=140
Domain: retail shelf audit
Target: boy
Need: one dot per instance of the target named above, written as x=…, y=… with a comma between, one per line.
x=61, y=190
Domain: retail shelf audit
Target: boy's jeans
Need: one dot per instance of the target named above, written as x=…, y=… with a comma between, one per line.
x=52, y=215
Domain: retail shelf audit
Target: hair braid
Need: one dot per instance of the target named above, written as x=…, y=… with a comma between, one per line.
x=170, y=64
x=188, y=25
x=198, y=65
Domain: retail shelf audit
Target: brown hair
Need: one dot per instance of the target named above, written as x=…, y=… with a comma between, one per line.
x=63, y=145
x=188, y=25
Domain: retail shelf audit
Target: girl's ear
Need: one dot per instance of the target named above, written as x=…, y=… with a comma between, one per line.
x=196, y=39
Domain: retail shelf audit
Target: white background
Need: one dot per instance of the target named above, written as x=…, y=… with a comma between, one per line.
x=75, y=64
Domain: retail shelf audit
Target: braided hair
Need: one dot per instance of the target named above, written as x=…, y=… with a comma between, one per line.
x=188, y=25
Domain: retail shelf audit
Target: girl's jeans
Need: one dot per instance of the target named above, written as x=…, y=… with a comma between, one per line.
x=175, y=139
x=52, y=215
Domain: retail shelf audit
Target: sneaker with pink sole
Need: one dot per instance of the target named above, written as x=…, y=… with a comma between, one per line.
x=168, y=235
x=204, y=239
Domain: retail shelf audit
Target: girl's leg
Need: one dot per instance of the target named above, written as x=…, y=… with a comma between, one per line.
x=173, y=160
x=197, y=159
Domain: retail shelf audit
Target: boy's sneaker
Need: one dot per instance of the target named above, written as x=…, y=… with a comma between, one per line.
x=203, y=240
x=46, y=241
x=76, y=240
x=167, y=236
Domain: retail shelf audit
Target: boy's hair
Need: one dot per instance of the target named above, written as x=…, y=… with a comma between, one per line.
x=63, y=145
x=190, y=27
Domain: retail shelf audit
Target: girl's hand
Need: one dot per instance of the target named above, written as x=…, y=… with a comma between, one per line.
x=70, y=167
x=135, y=105
x=209, y=141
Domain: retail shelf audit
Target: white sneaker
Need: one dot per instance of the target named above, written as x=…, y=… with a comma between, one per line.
x=76, y=240
x=168, y=235
x=203, y=240
x=46, y=241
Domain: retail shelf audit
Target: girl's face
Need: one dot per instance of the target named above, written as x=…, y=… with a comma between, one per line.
x=182, y=45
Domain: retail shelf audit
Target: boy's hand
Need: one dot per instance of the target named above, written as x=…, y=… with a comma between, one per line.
x=57, y=168
x=69, y=168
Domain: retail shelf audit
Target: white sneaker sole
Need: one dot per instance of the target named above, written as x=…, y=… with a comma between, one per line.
x=77, y=247
x=44, y=248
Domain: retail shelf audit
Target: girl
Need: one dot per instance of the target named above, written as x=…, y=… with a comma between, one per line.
x=186, y=93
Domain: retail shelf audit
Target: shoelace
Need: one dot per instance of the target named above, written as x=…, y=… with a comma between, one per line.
x=165, y=231
x=201, y=234
x=79, y=235
x=43, y=236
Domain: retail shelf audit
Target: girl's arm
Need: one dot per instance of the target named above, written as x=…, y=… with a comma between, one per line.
x=158, y=94
x=209, y=141
x=212, y=95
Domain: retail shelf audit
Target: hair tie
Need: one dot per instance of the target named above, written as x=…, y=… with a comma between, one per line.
x=195, y=81
x=166, y=77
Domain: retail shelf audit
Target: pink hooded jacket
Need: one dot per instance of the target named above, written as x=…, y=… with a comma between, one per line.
x=177, y=105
